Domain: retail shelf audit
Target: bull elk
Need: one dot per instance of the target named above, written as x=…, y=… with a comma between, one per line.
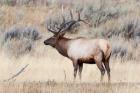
x=80, y=50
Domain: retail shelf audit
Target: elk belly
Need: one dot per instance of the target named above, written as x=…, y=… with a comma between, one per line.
x=87, y=60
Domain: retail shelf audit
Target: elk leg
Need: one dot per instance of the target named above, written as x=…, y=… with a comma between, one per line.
x=102, y=70
x=106, y=64
x=80, y=70
x=75, y=65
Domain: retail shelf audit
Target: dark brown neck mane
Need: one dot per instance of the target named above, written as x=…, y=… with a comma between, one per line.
x=62, y=46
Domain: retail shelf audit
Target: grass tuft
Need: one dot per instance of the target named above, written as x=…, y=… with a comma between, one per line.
x=19, y=40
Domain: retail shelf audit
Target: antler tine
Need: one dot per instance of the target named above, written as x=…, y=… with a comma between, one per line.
x=49, y=27
x=67, y=25
x=63, y=24
x=71, y=14
x=63, y=19
x=79, y=18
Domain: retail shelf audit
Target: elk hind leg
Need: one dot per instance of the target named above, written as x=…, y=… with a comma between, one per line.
x=106, y=64
x=102, y=69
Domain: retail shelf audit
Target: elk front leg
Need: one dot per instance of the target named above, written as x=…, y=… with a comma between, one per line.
x=80, y=70
x=75, y=65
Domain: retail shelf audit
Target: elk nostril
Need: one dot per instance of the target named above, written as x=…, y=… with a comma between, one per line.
x=44, y=42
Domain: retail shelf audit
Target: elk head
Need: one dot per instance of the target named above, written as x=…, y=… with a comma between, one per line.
x=59, y=30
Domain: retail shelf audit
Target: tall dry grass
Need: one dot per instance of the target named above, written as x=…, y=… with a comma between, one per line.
x=53, y=73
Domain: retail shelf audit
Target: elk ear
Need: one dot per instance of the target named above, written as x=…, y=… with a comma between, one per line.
x=61, y=34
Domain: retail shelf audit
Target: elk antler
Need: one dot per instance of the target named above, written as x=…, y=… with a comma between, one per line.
x=49, y=27
x=71, y=15
x=64, y=26
x=68, y=25
x=79, y=19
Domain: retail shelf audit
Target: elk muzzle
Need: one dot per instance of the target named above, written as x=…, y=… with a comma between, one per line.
x=46, y=43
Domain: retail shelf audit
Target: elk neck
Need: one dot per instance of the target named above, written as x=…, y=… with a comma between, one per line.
x=62, y=46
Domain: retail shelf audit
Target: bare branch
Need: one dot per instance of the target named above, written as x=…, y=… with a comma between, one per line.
x=17, y=74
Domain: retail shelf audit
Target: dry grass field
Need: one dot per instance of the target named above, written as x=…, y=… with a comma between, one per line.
x=55, y=75
x=50, y=87
x=47, y=70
